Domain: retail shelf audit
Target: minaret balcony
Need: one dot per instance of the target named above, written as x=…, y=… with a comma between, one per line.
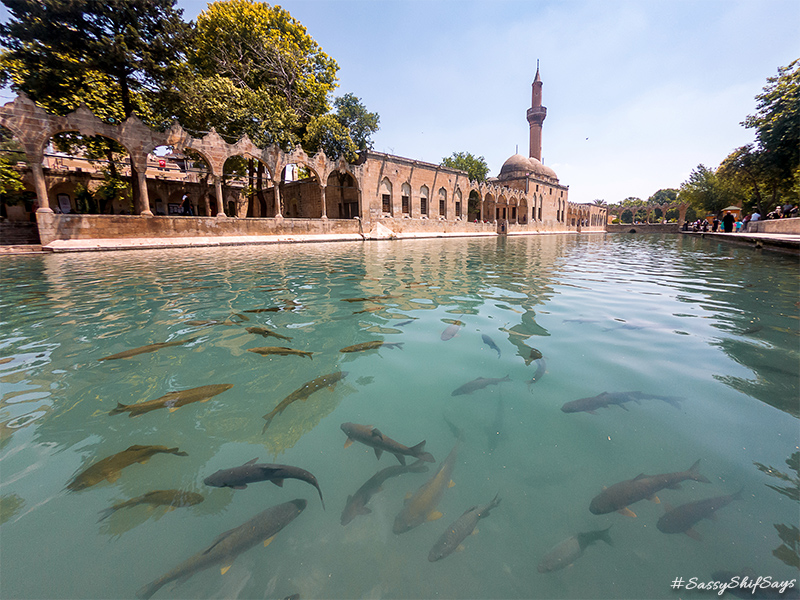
x=536, y=114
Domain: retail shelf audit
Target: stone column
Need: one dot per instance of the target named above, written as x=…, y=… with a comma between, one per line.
x=218, y=192
x=277, y=194
x=143, y=201
x=324, y=203
x=40, y=185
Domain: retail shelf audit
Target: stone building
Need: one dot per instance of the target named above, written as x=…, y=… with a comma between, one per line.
x=186, y=187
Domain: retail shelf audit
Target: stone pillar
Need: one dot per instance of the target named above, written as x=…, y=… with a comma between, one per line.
x=143, y=201
x=218, y=192
x=40, y=185
x=324, y=203
x=277, y=194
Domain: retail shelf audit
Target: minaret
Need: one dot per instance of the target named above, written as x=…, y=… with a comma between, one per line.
x=536, y=115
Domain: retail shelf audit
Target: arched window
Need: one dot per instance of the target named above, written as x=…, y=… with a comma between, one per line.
x=442, y=202
x=457, y=198
x=423, y=200
x=386, y=196
x=405, y=195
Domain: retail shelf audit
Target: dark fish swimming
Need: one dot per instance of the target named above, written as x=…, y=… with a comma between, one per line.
x=421, y=506
x=250, y=472
x=479, y=384
x=357, y=503
x=372, y=437
x=303, y=392
x=265, y=310
x=372, y=346
x=681, y=519
x=541, y=369
x=457, y=532
x=173, y=400
x=224, y=550
x=567, y=552
x=620, y=495
x=145, y=349
x=281, y=351
x=369, y=298
x=109, y=468
x=490, y=342
x=266, y=333
x=605, y=399
x=171, y=498
x=451, y=330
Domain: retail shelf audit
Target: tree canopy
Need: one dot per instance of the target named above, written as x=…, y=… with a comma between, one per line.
x=476, y=167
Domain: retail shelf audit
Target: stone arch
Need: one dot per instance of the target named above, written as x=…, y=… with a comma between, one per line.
x=458, y=206
x=300, y=191
x=442, y=197
x=489, y=207
x=474, y=206
x=385, y=192
x=342, y=196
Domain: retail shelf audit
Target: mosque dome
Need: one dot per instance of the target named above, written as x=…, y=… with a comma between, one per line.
x=522, y=166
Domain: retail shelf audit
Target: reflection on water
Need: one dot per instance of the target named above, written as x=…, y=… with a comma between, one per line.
x=653, y=317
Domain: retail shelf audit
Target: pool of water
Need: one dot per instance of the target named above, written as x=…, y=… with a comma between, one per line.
x=707, y=333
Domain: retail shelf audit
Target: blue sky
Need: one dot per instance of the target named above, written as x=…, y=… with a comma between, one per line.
x=638, y=93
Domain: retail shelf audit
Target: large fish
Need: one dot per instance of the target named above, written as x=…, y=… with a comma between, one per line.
x=280, y=350
x=682, y=518
x=450, y=540
x=224, y=550
x=145, y=349
x=109, y=468
x=303, y=392
x=173, y=400
x=250, y=472
x=372, y=346
x=478, y=384
x=567, y=552
x=590, y=405
x=451, y=330
x=372, y=437
x=266, y=333
x=369, y=298
x=490, y=342
x=170, y=498
x=357, y=503
x=620, y=495
x=421, y=506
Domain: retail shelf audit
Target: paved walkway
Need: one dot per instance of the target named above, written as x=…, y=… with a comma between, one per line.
x=781, y=242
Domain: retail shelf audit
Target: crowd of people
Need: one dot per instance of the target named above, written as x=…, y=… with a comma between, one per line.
x=731, y=224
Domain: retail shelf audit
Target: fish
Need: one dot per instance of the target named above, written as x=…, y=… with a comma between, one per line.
x=145, y=349
x=451, y=330
x=605, y=399
x=681, y=519
x=250, y=472
x=226, y=547
x=265, y=310
x=403, y=323
x=266, y=333
x=620, y=495
x=421, y=506
x=567, y=552
x=282, y=351
x=173, y=400
x=478, y=384
x=369, y=298
x=109, y=468
x=541, y=369
x=357, y=503
x=170, y=498
x=372, y=437
x=372, y=346
x=303, y=392
x=490, y=342
x=459, y=530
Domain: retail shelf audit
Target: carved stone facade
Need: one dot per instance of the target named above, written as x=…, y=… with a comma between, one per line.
x=405, y=196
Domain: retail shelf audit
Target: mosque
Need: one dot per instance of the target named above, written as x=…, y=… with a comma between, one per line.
x=185, y=189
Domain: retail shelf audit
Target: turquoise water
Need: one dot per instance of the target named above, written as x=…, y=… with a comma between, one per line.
x=712, y=324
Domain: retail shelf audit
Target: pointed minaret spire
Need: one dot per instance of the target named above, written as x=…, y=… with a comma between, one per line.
x=536, y=116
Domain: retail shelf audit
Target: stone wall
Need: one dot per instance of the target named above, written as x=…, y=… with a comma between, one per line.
x=784, y=226
x=53, y=226
x=17, y=233
x=645, y=228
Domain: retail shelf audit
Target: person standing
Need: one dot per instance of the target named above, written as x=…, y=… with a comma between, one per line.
x=727, y=222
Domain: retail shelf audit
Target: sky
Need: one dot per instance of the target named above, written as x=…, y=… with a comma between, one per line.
x=638, y=93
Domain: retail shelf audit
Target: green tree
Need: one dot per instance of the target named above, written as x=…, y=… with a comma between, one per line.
x=745, y=171
x=343, y=133
x=706, y=191
x=777, y=123
x=476, y=167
